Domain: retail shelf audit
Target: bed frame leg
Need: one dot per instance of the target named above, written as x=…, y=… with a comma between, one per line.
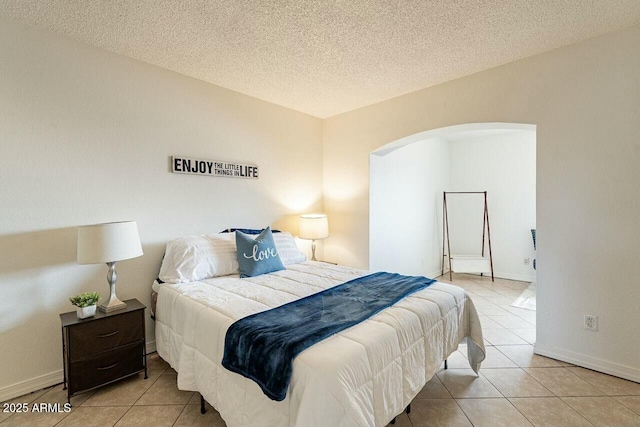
x=446, y=366
x=408, y=410
x=202, y=408
x=393, y=421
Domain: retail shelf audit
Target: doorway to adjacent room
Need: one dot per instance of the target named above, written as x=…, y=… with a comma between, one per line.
x=407, y=181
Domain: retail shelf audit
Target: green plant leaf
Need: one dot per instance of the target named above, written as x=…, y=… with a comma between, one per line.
x=85, y=300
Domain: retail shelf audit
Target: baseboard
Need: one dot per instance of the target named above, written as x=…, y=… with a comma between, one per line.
x=600, y=365
x=434, y=274
x=498, y=275
x=518, y=277
x=44, y=381
x=30, y=385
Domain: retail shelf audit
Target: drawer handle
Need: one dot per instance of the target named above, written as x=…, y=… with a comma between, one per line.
x=108, y=335
x=108, y=367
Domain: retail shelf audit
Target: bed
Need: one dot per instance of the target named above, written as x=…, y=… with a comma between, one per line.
x=363, y=376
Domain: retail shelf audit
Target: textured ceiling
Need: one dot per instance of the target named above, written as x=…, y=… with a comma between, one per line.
x=326, y=57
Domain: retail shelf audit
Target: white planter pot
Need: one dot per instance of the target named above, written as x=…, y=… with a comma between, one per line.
x=84, y=312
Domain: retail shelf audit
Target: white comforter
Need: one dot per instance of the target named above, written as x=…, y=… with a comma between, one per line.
x=362, y=376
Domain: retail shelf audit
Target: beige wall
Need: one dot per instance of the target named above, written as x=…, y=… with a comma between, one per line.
x=85, y=137
x=504, y=165
x=405, y=240
x=585, y=101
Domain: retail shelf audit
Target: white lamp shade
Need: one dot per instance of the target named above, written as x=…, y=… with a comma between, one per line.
x=110, y=242
x=313, y=227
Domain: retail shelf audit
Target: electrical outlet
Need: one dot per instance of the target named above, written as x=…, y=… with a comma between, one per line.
x=590, y=322
x=526, y=261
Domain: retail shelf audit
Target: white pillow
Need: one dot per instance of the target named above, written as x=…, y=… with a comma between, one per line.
x=287, y=249
x=193, y=258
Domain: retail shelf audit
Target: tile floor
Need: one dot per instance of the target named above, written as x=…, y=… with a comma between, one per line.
x=514, y=388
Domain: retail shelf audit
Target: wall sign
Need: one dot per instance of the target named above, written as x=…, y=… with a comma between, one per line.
x=213, y=168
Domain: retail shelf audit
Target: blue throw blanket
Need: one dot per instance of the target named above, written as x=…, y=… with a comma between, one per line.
x=262, y=346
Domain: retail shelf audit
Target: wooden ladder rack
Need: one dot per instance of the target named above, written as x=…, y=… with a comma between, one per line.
x=466, y=263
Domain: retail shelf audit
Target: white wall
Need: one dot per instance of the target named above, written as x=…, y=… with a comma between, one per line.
x=85, y=137
x=406, y=185
x=504, y=165
x=585, y=101
x=406, y=208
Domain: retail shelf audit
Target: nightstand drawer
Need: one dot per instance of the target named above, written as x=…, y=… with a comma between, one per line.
x=104, y=348
x=105, y=367
x=97, y=336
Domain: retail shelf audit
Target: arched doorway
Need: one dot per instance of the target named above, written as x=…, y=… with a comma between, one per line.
x=408, y=176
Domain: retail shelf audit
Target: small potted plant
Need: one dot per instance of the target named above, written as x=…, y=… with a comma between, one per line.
x=86, y=304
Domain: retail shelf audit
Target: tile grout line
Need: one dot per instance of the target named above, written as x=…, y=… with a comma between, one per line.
x=518, y=367
x=181, y=412
x=125, y=412
x=132, y=405
x=516, y=408
x=548, y=397
x=577, y=376
x=465, y=414
x=570, y=406
x=63, y=418
x=623, y=404
x=527, y=374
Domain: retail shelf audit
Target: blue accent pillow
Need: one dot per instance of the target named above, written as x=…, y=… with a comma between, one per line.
x=257, y=256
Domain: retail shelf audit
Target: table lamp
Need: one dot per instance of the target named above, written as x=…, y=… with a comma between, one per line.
x=109, y=243
x=313, y=227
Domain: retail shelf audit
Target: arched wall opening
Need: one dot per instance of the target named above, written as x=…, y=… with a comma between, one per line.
x=407, y=180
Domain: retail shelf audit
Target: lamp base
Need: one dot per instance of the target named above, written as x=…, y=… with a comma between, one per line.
x=112, y=304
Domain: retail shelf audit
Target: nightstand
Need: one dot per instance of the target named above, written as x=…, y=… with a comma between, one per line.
x=102, y=349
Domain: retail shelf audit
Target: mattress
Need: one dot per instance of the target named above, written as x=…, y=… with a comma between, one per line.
x=362, y=376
